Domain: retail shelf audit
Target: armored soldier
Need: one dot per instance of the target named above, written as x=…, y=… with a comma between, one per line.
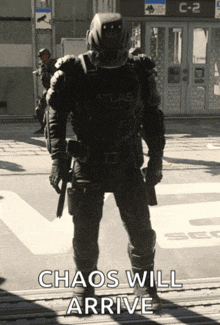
x=113, y=101
x=45, y=71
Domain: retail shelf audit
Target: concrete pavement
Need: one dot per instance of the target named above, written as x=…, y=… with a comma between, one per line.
x=187, y=142
x=186, y=221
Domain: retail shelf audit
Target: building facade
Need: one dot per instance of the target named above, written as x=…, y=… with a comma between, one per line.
x=26, y=26
x=183, y=37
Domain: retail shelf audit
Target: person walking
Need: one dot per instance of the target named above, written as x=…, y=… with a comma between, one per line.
x=45, y=71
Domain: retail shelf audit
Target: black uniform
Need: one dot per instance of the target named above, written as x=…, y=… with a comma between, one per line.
x=45, y=71
x=111, y=109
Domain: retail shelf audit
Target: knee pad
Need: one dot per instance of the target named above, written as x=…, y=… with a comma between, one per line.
x=145, y=245
x=85, y=256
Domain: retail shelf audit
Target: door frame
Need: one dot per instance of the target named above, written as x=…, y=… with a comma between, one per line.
x=187, y=52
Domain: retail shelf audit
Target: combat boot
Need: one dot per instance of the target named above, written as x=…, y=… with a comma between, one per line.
x=148, y=292
x=80, y=293
x=142, y=259
x=85, y=263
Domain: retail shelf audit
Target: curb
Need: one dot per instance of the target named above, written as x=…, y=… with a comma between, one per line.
x=197, y=302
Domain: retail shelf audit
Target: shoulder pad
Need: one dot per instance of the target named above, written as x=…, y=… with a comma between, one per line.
x=67, y=63
x=147, y=62
x=143, y=59
x=58, y=80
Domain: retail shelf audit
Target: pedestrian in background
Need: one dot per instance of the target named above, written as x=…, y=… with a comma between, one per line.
x=113, y=100
x=45, y=71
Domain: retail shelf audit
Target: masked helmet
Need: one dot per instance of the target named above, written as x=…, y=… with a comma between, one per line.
x=44, y=51
x=108, y=40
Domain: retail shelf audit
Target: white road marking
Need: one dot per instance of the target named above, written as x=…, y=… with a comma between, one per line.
x=211, y=147
x=176, y=225
x=38, y=234
x=188, y=188
x=172, y=223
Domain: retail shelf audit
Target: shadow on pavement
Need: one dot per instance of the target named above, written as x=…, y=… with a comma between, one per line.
x=14, y=308
x=182, y=314
x=12, y=305
x=193, y=127
x=189, y=315
x=193, y=162
x=11, y=166
x=2, y=280
x=24, y=132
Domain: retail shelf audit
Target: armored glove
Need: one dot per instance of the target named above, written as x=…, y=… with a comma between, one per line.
x=152, y=177
x=57, y=173
x=153, y=173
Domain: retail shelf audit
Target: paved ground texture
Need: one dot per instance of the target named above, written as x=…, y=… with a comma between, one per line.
x=186, y=220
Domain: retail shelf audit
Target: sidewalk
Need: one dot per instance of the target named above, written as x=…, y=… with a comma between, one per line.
x=186, y=141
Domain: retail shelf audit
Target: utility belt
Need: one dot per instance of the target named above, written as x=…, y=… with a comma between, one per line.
x=86, y=153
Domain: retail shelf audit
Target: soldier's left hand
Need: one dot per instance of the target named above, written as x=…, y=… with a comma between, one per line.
x=57, y=173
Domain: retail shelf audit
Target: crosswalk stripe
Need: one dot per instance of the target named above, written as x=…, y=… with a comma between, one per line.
x=38, y=234
x=41, y=236
x=188, y=188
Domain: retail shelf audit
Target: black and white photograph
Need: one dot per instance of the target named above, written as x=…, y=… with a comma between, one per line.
x=109, y=162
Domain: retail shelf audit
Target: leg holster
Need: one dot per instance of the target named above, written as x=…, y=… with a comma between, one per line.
x=87, y=212
x=73, y=200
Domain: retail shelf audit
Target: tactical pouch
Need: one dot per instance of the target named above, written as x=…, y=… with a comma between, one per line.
x=151, y=195
x=150, y=190
x=73, y=198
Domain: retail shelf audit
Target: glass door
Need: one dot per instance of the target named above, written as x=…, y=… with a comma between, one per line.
x=167, y=45
x=203, y=94
x=187, y=57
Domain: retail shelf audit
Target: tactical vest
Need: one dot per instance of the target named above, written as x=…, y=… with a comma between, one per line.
x=48, y=70
x=107, y=114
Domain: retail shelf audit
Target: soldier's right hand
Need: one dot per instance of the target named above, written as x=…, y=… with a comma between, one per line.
x=152, y=177
x=57, y=173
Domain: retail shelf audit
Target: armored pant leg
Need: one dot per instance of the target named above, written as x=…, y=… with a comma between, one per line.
x=131, y=200
x=86, y=219
x=40, y=109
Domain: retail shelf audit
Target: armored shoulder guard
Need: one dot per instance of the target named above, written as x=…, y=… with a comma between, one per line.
x=57, y=84
x=143, y=62
x=145, y=69
x=67, y=67
x=146, y=62
x=67, y=63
